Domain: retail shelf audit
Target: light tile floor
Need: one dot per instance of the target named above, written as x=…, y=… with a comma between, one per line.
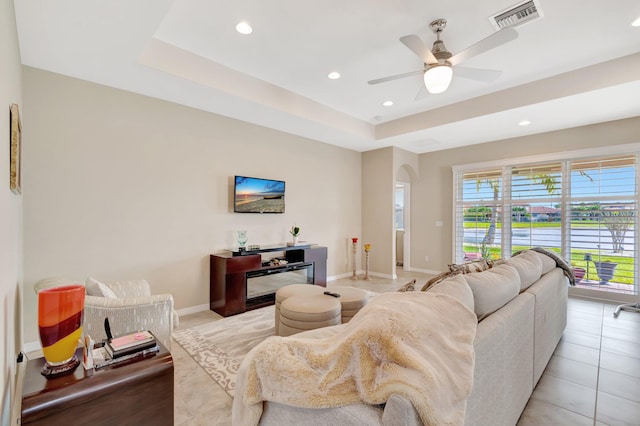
x=593, y=377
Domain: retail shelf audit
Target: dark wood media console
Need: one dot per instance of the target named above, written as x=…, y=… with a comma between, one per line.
x=229, y=271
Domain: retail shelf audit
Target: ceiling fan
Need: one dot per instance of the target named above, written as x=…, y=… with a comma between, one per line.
x=439, y=62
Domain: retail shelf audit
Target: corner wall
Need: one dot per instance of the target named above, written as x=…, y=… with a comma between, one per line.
x=123, y=186
x=10, y=212
x=378, y=180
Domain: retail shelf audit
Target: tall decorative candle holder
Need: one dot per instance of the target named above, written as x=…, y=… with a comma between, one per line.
x=354, y=249
x=367, y=249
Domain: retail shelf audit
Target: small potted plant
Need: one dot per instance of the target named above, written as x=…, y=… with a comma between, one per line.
x=295, y=232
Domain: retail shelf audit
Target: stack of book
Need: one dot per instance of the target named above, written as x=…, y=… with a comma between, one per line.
x=129, y=344
x=125, y=348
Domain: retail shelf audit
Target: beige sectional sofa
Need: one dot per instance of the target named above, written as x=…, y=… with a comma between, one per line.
x=521, y=305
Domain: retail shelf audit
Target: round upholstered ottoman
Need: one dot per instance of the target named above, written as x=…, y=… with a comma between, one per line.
x=301, y=313
x=351, y=300
x=283, y=293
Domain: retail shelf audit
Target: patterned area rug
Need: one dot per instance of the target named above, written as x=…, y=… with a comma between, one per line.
x=219, y=346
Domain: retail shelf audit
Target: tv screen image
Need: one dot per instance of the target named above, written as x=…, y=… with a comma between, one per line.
x=255, y=195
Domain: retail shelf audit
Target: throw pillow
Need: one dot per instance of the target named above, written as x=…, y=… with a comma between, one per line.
x=100, y=289
x=435, y=280
x=410, y=286
x=493, y=289
x=468, y=267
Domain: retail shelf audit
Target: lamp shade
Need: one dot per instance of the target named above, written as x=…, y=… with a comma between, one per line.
x=438, y=77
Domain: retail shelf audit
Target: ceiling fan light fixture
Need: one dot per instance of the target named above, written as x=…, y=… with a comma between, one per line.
x=438, y=77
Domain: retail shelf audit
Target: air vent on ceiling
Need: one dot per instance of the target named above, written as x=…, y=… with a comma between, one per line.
x=519, y=14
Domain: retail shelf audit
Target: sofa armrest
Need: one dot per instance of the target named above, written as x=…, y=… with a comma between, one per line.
x=153, y=313
x=399, y=411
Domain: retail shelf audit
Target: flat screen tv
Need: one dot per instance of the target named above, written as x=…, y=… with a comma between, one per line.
x=255, y=195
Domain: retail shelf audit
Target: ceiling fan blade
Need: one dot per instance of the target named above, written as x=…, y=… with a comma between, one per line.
x=396, y=77
x=417, y=46
x=479, y=74
x=494, y=40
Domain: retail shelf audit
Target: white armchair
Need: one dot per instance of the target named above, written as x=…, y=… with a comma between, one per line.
x=130, y=306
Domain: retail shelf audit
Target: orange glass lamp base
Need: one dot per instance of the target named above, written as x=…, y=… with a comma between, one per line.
x=60, y=314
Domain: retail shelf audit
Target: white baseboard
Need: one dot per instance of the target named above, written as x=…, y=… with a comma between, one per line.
x=193, y=309
x=425, y=271
x=342, y=276
x=32, y=346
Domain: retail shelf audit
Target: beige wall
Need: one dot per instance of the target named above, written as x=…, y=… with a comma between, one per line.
x=378, y=186
x=10, y=209
x=125, y=186
x=433, y=192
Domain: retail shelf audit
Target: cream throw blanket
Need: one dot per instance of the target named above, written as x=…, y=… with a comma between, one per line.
x=415, y=344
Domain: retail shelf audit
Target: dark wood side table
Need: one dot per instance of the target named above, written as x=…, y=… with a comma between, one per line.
x=139, y=392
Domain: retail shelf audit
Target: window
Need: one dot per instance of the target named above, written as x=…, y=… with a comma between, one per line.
x=584, y=209
x=399, y=212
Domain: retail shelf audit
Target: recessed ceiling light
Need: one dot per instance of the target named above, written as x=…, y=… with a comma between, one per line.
x=334, y=75
x=244, y=28
x=524, y=123
x=636, y=23
x=387, y=103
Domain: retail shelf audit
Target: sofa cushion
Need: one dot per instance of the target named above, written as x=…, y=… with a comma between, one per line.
x=100, y=289
x=130, y=288
x=455, y=286
x=492, y=289
x=529, y=267
x=548, y=264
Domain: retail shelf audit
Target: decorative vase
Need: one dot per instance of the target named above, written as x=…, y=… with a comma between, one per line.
x=295, y=240
x=242, y=239
x=60, y=315
x=605, y=270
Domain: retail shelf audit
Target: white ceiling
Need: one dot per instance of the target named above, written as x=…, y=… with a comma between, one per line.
x=579, y=64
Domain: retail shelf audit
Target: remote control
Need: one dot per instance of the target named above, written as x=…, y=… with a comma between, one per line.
x=328, y=293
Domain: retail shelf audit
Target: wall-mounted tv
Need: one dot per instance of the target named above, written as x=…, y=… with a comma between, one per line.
x=255, y=195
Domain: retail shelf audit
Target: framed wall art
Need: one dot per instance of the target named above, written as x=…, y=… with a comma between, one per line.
x=15, y=172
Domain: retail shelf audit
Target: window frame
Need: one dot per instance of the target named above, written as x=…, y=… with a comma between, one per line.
x=505, y=200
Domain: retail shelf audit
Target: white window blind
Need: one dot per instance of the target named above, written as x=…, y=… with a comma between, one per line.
x=603, y=214
x=478, y=214
x=536, y=196
x=583, y=209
